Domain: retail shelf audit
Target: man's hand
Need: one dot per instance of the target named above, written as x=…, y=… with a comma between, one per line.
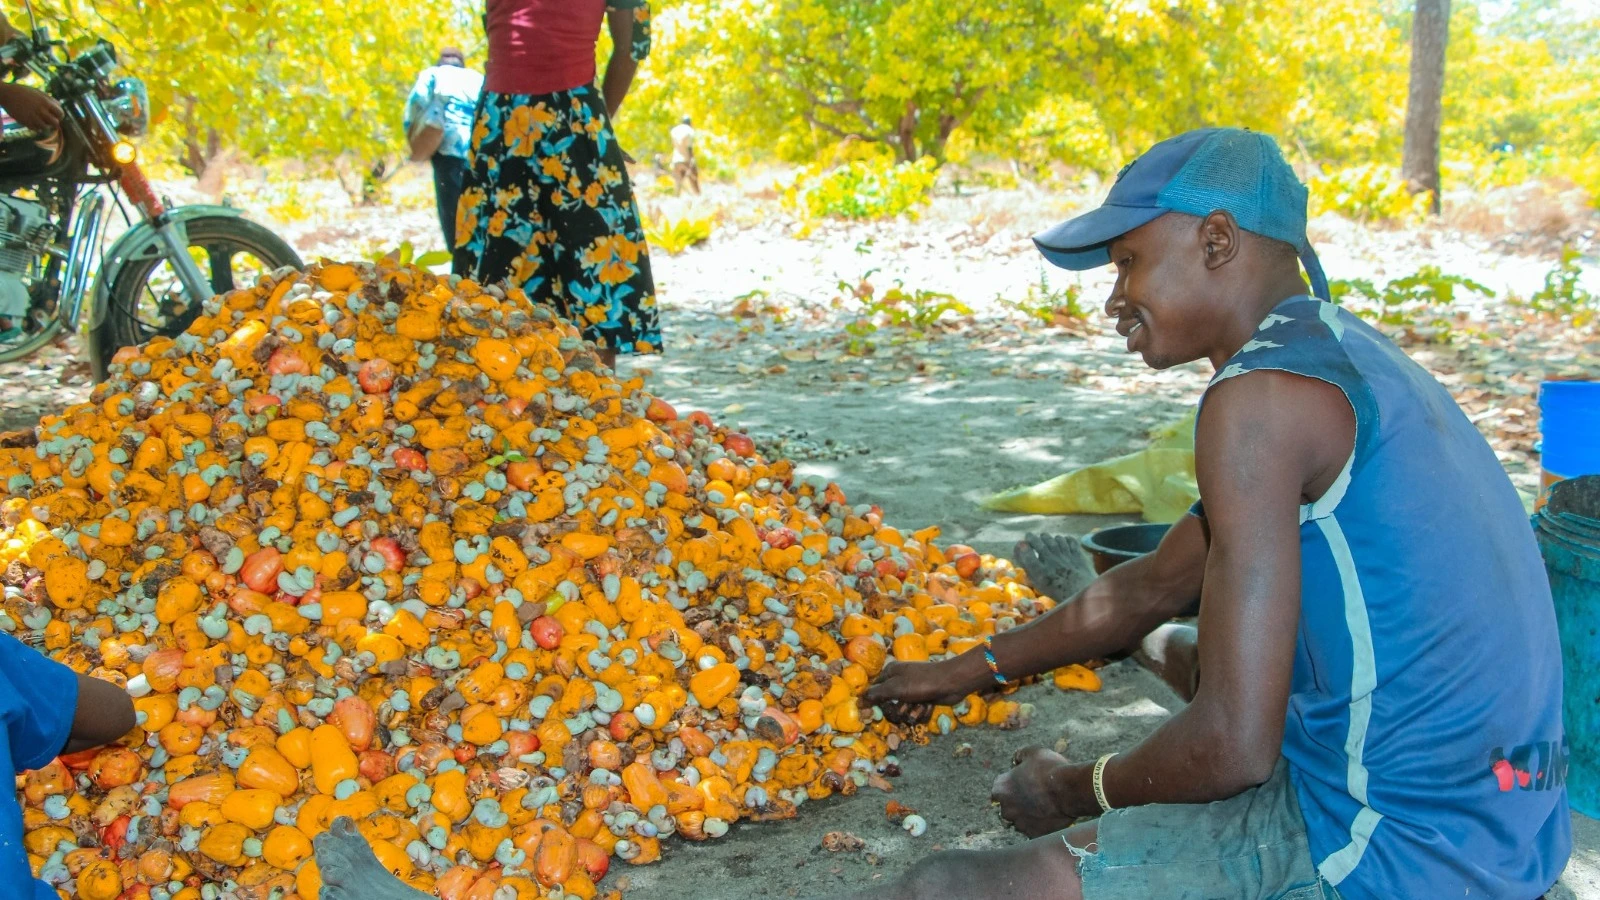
x=1033, y=796
x=33, y=109
x=908, y=691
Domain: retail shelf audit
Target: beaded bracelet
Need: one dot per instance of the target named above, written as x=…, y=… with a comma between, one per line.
x=988, y=657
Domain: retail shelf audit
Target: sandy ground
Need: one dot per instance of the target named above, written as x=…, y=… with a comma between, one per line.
x=925, y=424
x=947, y=782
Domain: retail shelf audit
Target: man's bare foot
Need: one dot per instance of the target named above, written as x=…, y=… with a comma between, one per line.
x=350, y=871
x=1055, y=564
x=1172, y=651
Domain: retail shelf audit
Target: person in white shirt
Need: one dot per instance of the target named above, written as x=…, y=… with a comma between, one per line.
x=440, y=109
x=683, y=165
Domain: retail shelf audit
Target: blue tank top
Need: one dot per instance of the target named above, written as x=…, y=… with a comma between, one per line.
x=1424, y=730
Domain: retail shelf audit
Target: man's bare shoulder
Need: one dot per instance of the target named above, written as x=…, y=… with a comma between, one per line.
x=1274, y=419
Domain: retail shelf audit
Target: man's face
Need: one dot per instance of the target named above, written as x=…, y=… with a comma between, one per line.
x=1157, y=300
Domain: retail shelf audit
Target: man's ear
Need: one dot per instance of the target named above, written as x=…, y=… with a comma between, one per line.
x=1219, y=235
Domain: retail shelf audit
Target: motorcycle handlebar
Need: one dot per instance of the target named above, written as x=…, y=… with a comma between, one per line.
x=15, y=51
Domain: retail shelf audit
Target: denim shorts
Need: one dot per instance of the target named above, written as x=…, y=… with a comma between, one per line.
x=1249, y=847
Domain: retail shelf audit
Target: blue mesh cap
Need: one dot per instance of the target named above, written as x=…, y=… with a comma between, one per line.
x=1198, y=173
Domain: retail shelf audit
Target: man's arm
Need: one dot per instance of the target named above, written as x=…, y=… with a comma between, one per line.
x=623, y=65
x=1262, y=441
x=1109, y=616
x=104, y=714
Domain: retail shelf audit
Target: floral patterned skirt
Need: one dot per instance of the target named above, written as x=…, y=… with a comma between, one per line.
x=548, y=209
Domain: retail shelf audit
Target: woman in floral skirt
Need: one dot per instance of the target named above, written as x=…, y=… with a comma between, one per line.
x=547, y=205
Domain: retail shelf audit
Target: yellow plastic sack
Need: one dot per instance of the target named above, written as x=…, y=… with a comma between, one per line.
x=1157, y=482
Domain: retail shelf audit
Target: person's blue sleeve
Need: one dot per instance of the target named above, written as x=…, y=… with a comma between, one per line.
x=1198, y=510
x=44, y=698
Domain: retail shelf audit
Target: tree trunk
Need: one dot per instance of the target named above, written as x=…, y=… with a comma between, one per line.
x=197, y=157
x=906, y=133
x=1430, y=31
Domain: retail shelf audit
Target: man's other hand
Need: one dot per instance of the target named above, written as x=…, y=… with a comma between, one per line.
x=1028, y=794
x=32, y=108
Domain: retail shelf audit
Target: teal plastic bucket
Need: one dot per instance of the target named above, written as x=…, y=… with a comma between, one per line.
x=1569, y=413
x=1568, y=528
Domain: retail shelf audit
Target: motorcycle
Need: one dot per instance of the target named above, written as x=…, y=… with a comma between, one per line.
x=152, y=280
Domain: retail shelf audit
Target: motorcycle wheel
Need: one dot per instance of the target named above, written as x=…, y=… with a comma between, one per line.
x=147, y=301
x=19, y=342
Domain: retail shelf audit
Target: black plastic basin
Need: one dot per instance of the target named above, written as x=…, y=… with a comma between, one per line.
x=1119, y=543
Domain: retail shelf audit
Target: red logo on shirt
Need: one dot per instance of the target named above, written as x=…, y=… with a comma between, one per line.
x=1539, y=766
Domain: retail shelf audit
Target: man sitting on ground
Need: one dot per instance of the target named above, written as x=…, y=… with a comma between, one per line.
x=1375, y=684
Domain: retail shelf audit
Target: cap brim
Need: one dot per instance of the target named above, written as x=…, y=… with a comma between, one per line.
x=1080, y=243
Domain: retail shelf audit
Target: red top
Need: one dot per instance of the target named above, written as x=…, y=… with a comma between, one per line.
x=541, y=46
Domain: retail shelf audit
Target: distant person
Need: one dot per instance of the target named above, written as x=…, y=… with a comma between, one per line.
x=438, y=125
x=683, y=164
x=548, y=207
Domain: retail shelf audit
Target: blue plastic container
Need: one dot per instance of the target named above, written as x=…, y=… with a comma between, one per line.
x=1568, y=528
x=1570, y=422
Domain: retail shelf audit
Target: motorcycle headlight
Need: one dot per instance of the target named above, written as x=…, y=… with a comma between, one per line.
x=129, y=107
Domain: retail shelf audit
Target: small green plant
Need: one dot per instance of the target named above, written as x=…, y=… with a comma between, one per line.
x=759, y=304
x=864, y=189
x=677, y=235
x=406, y=255
x=1563, y=295
x=1370, y=193
x=1419, y=302
x=915, y=312
x=1052, y=307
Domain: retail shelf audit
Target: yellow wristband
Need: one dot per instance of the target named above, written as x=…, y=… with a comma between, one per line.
x=1099, y=782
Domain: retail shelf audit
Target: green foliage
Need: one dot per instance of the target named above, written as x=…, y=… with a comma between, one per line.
x=273, y=78
x=1508, y=91
x=1419, y=303
x=289, y=203
x=1151, y=70
x=800, y=75
x=1090, y=84
x=677, y=235
x=1563, y=295
x=1350, y=105
x=910, y=313
x=864, y=189
x=917, y=310
x=406, y=255
x=1057, y=307
x=1367, y=193
x=761, y=306
x=1083, y=84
